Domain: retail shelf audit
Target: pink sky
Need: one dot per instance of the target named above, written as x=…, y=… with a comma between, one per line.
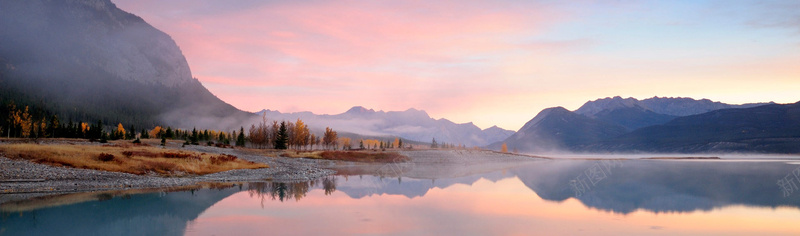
x=489, y=62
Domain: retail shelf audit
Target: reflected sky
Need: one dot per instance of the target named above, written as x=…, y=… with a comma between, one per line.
x=635, y=197
x=504, y=207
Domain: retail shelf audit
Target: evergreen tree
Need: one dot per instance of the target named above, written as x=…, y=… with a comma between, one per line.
x=145, y=134
x=434, y=144
x=103, y=137
x=282, y=138
x=194, y=137
x=240, y=139
x=169, y=134
x=54, y=128
x=131, y=134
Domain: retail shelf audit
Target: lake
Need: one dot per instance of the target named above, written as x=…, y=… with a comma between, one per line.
x=556, y=197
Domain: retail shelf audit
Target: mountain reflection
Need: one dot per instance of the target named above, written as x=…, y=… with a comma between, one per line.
x=625, y=186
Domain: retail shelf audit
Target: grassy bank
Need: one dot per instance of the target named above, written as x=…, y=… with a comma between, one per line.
x=127, y=158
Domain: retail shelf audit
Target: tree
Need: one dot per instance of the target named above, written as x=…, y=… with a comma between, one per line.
x=54, y=126
x=399, y=143
x=345, y=143
x=240, y=141
x=311, y=141
x=434, y=144
x=144, y=134
x=329, y=138
x=504, y=148
x=300, y=137
x=118, y=133
x=132, y=133
x=361, y=144
x=194, y=138
x=222, y=137
x=26, y=123
x=169, y=133
x=281, y=137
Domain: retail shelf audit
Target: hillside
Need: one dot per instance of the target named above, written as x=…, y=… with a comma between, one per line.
x=87, y=60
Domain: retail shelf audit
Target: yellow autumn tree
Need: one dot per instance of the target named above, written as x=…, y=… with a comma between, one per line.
x=84, y=127
x=155, y=132
x=42, y=131
x=396, y=143
x=504, y=148
x=345, y=143
x=120, y=131
x=301, y=134
x=26, y=123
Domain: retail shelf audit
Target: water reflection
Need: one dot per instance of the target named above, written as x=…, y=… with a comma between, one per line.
x=540, y=194
x=286, y=191
x=663, y=186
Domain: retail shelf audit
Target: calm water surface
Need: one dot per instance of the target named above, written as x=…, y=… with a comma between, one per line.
x=632, y=197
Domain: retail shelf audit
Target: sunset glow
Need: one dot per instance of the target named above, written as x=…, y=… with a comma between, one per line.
x=488, y=62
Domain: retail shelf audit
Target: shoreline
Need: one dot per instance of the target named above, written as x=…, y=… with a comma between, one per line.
x=23, y=179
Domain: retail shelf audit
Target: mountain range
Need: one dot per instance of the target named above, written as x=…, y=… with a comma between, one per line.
x=411, y=124
x=667, y=125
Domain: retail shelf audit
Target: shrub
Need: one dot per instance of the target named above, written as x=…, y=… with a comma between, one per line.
x=105, y=157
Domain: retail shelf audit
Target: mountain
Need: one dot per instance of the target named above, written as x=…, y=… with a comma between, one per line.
x=632, y=117
x=87, y=60
x=411, y=124
x=661, y=125
x=672, y=106
x=771, y=128
x=632, y=113
x=555, y=129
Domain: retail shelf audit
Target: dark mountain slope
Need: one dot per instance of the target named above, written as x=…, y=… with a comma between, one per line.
x=88, y=60
x=557, y=128
x=769, y=128
x=633, y=117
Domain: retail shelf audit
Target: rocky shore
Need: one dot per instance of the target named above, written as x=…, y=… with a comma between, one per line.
x=20, y=179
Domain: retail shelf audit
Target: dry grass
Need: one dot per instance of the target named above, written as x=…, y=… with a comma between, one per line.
x=134, y=159
x=302, y=154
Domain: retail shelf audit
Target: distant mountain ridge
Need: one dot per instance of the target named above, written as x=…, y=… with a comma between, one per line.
x=673, y=106
x=629, y=125
x=411, y=124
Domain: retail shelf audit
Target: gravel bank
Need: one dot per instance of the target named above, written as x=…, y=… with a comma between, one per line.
x=21, y=179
